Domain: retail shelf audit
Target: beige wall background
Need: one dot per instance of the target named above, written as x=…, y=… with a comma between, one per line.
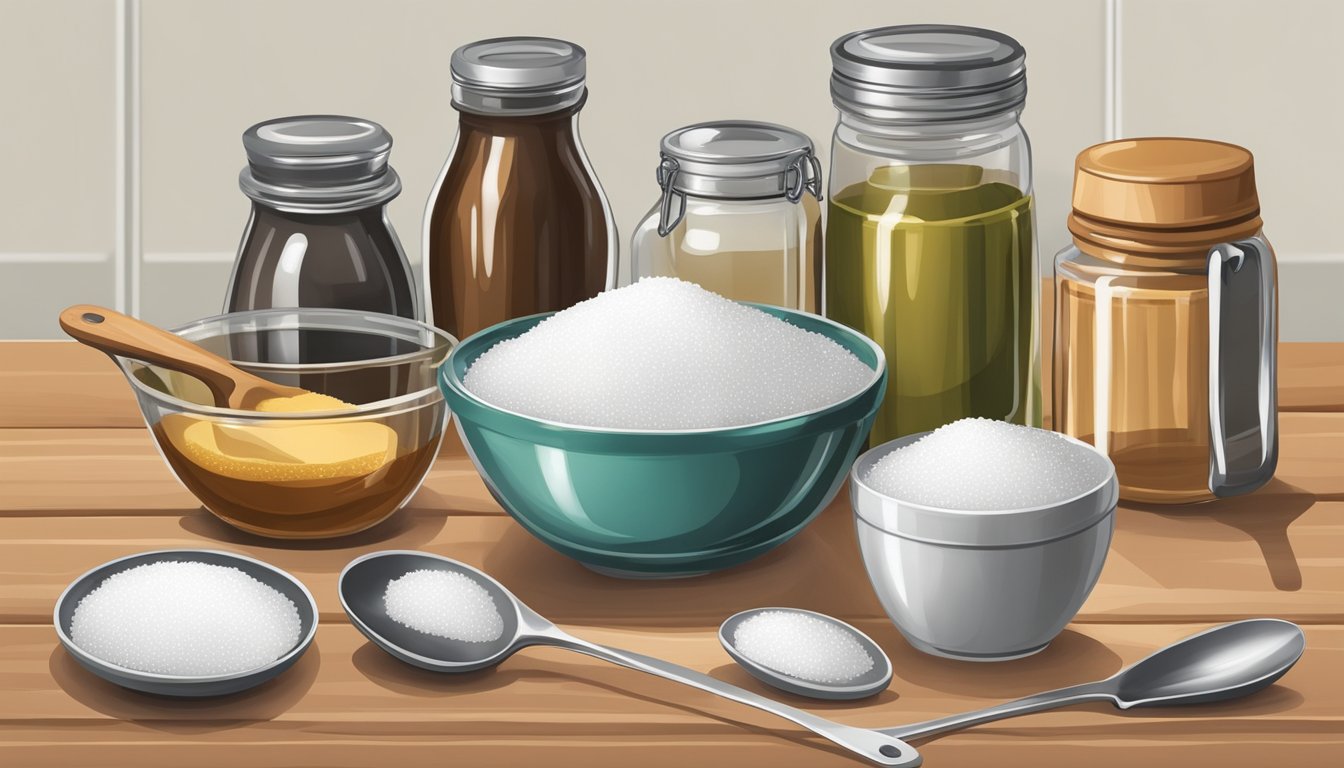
x=120, y=140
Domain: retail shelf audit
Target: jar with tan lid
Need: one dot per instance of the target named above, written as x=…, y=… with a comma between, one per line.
x=1166, y=319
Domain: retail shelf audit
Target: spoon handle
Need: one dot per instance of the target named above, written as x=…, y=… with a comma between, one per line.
x=118, y=334
x=880, y=748
x=1059, y=697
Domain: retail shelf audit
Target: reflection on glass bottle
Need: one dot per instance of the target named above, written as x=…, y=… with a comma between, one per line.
x=738, y=214
x=1165, y=319
x=517, y=223
x=318, y=235
x=930, y=247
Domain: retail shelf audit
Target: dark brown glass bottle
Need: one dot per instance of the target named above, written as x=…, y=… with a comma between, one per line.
x=319, y=235
x=517, y=223
x=344, y=260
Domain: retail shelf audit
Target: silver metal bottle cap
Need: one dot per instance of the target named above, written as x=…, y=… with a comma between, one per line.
x=740, y=159
x=924, y=73
x=518, y=76
x=318, y=164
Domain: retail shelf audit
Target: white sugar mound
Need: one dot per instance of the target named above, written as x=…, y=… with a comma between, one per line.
x=444, y=604
x=802, y=646
x=665, y=354
x=185, y=618
x=981, y=465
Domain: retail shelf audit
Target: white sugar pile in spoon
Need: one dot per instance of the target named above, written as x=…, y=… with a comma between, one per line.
x=444, y=604
x=802, y=646
x=185, y=618
x=665, y=354
x=986, y=465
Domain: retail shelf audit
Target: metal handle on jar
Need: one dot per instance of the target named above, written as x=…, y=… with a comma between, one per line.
x=666, y=175
x=803, y=175
x=1243, y=386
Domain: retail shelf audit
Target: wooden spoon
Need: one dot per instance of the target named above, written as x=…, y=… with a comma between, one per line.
x=232, y=387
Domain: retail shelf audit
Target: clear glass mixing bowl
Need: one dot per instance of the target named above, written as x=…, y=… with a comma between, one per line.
x=304, y=475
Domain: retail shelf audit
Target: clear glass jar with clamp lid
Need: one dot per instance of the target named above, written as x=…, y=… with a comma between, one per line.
x=738, y=215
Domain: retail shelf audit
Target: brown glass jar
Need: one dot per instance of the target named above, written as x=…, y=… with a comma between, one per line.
x=318, y=235
x=1166, y=319
x=517, y=223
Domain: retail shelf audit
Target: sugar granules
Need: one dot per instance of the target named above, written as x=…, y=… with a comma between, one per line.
x=665, y=354
x=802, y=646
x=185, y=618
x=444, y=604
x=986, y=465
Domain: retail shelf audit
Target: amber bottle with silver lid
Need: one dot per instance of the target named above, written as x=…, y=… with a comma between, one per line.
x=1166, y=319
x=738, y=214
x=517, y=223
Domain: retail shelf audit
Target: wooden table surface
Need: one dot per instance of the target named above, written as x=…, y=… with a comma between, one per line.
x=81, y=483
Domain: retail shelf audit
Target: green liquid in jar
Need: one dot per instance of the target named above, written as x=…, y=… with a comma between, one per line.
x=936, y=264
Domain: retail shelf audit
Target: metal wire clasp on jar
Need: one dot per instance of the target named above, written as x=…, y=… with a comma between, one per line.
x=738, y=214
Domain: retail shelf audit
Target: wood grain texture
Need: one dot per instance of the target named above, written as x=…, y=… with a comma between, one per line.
x=1311, y=376
x=1251, y=560
x=78, y=488
x=347, y=703
x=65, y=384
x=62, y=384
x=120, y=471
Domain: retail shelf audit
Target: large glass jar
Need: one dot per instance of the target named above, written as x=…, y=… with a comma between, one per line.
x=517, y=222
x=929, y=235
x=1166, y=319
x=738, y=214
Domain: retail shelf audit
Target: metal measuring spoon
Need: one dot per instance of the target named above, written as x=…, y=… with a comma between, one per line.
x=1217, y=664
x=365, y=580
x=873, y=681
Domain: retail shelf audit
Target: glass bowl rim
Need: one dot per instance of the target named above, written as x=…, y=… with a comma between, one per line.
x=407, y=402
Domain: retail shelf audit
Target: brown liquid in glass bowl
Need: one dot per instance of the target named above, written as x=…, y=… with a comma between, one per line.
x=305, y=507
x=303, y=478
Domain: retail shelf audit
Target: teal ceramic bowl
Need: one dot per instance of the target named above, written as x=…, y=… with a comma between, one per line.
x=659, y=504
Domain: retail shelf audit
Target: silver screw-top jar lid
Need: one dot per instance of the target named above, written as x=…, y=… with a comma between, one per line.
x=318, y=164
x=923, y=73
x=518, y=76
x=740, y=159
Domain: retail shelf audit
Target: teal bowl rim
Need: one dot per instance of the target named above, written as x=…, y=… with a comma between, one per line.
x=463, y=399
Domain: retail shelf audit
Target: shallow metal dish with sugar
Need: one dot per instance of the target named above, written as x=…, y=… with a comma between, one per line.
x=183, y=685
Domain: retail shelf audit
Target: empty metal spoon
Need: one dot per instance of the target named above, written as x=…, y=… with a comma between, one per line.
x=873, y=681
x=1221, y=663
x=364, y=582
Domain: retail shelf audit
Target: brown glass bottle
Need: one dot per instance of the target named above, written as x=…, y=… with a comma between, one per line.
x=344, y=260
x=319, y=235
x=517, y=223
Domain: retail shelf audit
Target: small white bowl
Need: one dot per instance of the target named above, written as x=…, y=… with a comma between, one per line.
x=981, y=585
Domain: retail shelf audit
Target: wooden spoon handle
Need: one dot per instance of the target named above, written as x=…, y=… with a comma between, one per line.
x=118, y=334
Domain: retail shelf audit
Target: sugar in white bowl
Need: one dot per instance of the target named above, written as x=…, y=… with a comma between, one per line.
x=802, y=646
x=988, y=465
x=665, y=354
x=185, y=618
x=444, y=604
